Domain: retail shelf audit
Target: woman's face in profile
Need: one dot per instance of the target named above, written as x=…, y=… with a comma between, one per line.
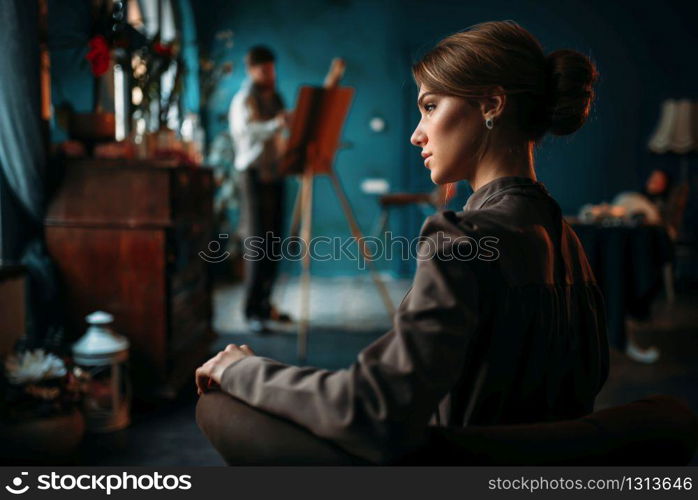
x=449, y=132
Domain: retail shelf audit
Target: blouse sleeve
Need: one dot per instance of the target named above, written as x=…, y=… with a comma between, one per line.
x=380, y=406
x=241, y=122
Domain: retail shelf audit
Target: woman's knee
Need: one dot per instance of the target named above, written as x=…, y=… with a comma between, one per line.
x=246, y=436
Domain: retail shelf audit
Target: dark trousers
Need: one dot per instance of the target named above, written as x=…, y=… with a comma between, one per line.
x=262, y=208
x=657, y=430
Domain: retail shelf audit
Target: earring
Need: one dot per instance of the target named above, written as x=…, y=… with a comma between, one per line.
x=489, y=123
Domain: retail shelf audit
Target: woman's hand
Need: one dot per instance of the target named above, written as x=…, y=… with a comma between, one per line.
x=209, y=374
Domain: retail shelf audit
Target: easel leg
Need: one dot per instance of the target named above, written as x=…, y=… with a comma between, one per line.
x=356, y=232
x=293, y=231
x=306, y=208
x=296, y=217
x=382, y=224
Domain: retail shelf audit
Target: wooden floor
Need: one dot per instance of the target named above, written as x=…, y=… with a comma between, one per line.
x=349, y=303
x=346, y=315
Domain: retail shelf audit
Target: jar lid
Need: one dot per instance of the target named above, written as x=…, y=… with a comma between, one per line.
x=99, y=341
x=99, y=318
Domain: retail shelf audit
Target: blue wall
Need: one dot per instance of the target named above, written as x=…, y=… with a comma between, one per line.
x=305, y=38
x=644, y=53
x=69, y=29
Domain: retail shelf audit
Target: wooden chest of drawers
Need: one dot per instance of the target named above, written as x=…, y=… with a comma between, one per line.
x=126, y=237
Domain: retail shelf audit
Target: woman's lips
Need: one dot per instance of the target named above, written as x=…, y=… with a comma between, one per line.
x=426, y=161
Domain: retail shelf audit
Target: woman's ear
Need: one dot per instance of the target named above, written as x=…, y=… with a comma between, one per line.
x=492, y=106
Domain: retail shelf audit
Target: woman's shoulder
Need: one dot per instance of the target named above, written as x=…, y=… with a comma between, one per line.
x=472, y=223
x=467, y=236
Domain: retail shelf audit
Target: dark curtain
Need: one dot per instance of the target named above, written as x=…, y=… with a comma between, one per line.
x=22, y=170
x=22, y=153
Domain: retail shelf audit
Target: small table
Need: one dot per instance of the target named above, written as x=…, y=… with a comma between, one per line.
x=628, y=262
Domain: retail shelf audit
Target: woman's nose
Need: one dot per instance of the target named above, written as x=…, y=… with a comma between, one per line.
x=418, y=138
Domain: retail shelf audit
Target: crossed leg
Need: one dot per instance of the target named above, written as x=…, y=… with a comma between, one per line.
x=657, y=430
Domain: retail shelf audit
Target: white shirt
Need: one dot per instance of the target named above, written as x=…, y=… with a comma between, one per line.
x=253, y=140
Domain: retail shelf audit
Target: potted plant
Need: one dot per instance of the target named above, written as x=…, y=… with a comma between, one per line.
x=39, y=411
x=110, y=45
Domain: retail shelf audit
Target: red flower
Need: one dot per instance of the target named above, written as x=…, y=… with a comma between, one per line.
x=98, y=55
x=163, y=50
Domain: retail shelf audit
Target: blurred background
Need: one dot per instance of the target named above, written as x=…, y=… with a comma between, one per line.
x=119, y=196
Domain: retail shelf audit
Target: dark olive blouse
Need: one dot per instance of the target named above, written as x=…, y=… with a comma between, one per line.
x=503, y=324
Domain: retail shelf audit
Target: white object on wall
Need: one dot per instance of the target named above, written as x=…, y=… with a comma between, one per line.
x=377, y=124
x=375, y=186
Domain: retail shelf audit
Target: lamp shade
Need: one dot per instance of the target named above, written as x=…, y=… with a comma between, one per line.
x=677, y=129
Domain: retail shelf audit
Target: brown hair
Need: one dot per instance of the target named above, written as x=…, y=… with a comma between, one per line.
x=259, y=54
x=260, y=108
x=550, y=93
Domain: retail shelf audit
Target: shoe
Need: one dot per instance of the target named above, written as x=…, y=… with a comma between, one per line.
x=646, y=356
x=278, y=316
x=256, y=325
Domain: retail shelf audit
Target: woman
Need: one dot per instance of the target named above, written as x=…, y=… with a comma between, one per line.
x=513, y=335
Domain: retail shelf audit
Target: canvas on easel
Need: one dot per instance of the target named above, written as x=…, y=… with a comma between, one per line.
x=316, y=130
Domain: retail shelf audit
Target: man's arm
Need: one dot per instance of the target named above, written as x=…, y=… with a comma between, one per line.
x=380, y=406
x=242, y=124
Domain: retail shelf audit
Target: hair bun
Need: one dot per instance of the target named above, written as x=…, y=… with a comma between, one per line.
x=570, y=90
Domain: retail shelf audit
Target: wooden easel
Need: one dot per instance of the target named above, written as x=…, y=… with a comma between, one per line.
x=315, y=132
